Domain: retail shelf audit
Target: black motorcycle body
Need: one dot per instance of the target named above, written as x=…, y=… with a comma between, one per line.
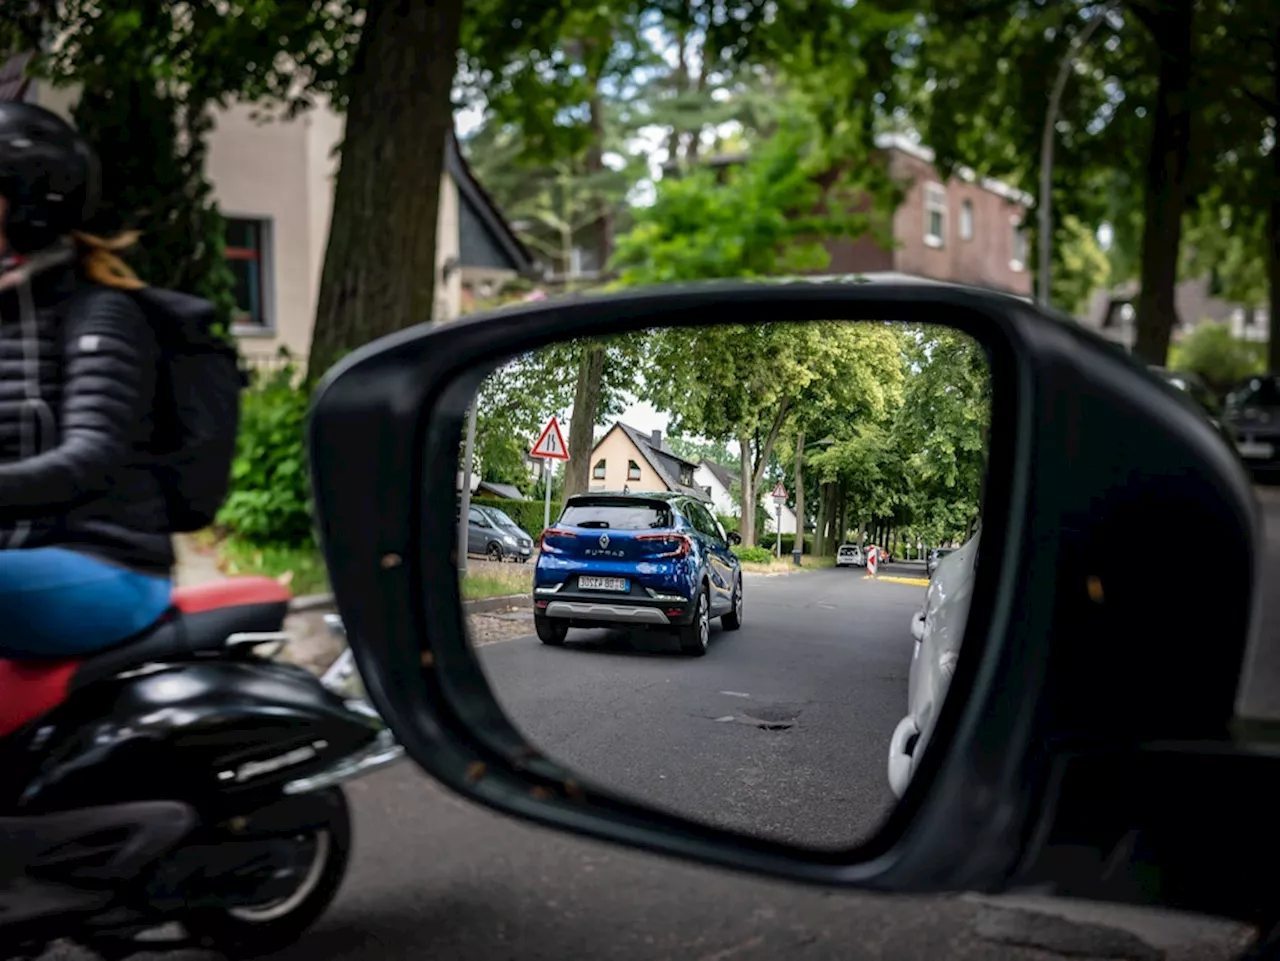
x=182, y=776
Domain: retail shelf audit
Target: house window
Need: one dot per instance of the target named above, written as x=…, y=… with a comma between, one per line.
x=633, y=471
x=935, y=214
x=1019, y=259
x=248, y=257
x=966, y=220
x=597, y=472
x=686, y=476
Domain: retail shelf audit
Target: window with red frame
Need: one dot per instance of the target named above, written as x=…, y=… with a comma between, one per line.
x=247, y=257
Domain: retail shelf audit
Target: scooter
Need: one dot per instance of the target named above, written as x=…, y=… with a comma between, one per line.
x=183, y=776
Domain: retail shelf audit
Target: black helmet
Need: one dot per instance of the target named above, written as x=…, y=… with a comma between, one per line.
x=48, y=177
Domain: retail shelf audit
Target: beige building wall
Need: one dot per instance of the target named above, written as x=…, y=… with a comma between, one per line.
x=616, y=450
x=283, y=172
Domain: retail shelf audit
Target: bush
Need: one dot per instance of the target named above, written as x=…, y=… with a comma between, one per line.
x=729, y=522
x=1220, y=359
x=753, y=555
x=528, y=514
x=269, y=501
x=788, y=542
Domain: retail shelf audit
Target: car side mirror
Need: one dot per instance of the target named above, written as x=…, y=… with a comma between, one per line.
x=1053, y=706
x=734, y=538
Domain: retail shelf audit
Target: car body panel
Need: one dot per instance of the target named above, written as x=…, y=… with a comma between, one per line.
x=485, y=531
x=1252, y=416
x=938, y=631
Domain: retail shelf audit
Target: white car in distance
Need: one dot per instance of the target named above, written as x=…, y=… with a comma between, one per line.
x=938, y=630
x=850, y=555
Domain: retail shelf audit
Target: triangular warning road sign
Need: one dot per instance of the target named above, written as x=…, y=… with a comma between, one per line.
x=551, y=443
x=779, y=492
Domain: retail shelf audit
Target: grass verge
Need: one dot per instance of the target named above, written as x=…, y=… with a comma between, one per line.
x=303, y=566
x=785, y=565
x=485, y=579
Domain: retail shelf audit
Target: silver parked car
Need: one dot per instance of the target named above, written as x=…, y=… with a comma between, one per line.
x=938, y=630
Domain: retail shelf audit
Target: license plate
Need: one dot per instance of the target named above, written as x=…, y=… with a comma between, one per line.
x=1255, y=450
x=618, y=584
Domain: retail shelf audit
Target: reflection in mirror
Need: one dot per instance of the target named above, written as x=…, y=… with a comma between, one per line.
x=653, y=620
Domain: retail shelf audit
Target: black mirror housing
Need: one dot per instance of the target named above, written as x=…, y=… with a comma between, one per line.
x=1087, y=451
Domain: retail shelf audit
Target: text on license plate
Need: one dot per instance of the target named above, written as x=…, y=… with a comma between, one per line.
x=1253, y=449
x=602, y=583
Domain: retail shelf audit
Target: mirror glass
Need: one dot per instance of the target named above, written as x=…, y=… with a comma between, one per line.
x=726, y=570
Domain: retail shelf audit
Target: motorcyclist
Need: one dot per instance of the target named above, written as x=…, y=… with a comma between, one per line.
x=85, y=548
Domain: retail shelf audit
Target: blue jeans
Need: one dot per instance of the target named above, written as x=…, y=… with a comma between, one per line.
x=58, y=603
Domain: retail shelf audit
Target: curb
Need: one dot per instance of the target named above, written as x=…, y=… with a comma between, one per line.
x=486, y=605
x=483, y=605
x=311, y=602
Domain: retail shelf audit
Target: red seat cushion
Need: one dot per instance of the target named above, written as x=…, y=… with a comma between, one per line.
x=29, y=688
x=230, y=592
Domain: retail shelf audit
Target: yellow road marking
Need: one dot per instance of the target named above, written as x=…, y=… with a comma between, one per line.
x=918, y=581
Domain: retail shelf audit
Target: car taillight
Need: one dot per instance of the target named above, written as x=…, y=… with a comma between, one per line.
x=678, y=545
x=552, y=532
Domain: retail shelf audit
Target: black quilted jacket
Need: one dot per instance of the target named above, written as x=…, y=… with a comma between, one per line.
x=77, y=385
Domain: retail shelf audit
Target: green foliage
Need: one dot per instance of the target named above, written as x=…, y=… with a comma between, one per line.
x=152, y=151
x=752, y=555
x=269, y=503
x=1220, y=359
x=1225, y=240
x=274, y=53
x=303, y=566
x=766, y=218
x=728, y=521
x=1082, y=266
x=528, y=514
x=770, y=541
x=697, y=450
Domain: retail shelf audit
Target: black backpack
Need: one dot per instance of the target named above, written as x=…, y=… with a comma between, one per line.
x=197, y=406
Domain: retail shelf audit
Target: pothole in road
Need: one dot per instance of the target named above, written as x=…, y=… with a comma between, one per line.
x=764, y=717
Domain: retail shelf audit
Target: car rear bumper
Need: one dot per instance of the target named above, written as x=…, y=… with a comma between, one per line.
x=584, y=609
x=606, y=613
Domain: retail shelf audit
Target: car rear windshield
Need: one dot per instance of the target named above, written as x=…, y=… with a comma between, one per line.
x=617, y=515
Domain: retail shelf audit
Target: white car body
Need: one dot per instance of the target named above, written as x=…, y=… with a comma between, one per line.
x=938, y=630
x=850, y=555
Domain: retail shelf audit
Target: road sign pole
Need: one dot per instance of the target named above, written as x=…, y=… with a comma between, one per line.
x=550, y=447
x=464, y=510
x=546, y=481
x=778, y=540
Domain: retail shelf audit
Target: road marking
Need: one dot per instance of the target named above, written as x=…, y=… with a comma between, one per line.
x=918, y=581
x=735, y=694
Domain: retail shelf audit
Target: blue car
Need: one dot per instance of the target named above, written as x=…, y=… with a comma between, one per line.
x=653, y=560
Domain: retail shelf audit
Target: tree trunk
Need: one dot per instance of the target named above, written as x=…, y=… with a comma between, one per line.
x=833, y=519
x=800, y=492
x=820, y=528
x=1165, y=192
x=748, y=505
x=380, y=262
x=586, y=396
x=586, y=404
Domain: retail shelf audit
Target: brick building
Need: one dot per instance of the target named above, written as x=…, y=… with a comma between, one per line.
x=966, y=229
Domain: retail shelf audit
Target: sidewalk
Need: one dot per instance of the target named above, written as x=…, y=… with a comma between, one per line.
x=310, y=643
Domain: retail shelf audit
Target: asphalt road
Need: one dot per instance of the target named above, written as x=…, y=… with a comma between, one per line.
x=781, y=730
x=434, y=877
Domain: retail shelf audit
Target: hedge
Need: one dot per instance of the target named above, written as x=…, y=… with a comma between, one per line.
x=528, y=514
x=788, y=542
